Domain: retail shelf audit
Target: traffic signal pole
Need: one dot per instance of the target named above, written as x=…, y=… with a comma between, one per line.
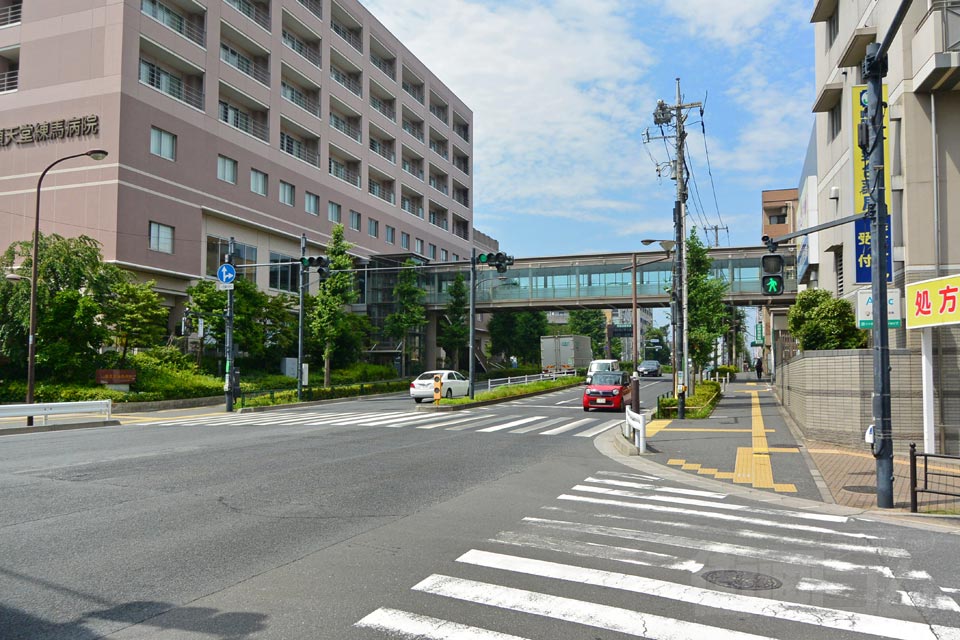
x=228, y=338
x=303, y=285
x=473, y=314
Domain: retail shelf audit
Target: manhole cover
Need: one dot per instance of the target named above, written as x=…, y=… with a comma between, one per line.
x=744, y=580
x=860, y=488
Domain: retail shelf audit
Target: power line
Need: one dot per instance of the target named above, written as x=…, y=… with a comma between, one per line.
x=706, y=151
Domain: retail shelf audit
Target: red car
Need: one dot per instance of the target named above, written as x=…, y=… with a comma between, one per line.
x=607, y=390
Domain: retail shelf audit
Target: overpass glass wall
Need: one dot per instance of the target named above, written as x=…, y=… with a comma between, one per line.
x=595, y=281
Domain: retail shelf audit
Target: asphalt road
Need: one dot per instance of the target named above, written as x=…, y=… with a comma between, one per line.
x=367, y=519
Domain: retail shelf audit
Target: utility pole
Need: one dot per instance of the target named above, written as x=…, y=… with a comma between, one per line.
x=303, y=285
x=473, y=314
x=716, y=233
x=664, y=115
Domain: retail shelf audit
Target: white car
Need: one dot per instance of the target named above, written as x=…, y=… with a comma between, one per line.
x=454, y=385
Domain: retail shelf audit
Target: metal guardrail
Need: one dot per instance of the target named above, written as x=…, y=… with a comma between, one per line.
x=56, y=408
x=634, y=429
x=937, y=480
x=493, y=383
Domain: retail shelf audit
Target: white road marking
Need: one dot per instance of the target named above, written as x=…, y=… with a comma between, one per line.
x=596, y=550
x=514, y=423
x=822, y=586
x=768, y=555
x=928, y=601
x=565, y=427
x=538, y=425
x=716, y=516
x=589, y=433
x=352, y=418
x=417, y=627
x=450, y=422
x=632, y=476
x=949, y=590
x=777, y=609
x=470, y=426
x=569, y=610
x=403, y=421
x=568, y=400
x=638, y=485
x=802, y=515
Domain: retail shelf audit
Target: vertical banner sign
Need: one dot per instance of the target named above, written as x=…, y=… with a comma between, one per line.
x=861, y=188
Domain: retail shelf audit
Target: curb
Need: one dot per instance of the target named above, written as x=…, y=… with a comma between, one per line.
x=65, y=426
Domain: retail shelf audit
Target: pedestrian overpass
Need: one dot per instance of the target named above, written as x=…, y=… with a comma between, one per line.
x=605, y=281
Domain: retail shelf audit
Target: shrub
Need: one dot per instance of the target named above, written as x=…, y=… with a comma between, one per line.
x=699, y=405
x=359, y=372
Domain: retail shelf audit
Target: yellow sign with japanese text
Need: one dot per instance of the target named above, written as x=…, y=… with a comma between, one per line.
x=933, y=303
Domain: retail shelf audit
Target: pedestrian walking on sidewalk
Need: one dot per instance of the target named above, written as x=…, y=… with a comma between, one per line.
x=759, y=367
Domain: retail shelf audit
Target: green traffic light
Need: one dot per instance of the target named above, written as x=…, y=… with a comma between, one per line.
x=483, y=257
x=772, y=285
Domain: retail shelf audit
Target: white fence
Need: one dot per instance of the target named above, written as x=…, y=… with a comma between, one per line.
x=56, y=408
x=634, y=429
x=486, y=385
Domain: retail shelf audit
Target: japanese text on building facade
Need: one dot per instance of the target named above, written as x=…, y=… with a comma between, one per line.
x=934, y=302
x=51, y=130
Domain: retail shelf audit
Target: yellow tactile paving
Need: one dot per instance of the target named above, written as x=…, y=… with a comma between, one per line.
x=673, y=462
x=785, y=488
x=743, y=469
x=690, y=466
x=703, y=471
x=656, y=426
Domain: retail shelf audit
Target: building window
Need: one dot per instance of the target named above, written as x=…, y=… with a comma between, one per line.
x=373, y=228
x=311, y=203
x=836, y=122
x=163, y=143
x=288, y=193
x=432, y=251
x=333, y=212
x=456, y=257
x=243, y=254
x=404, y=240
x=443, y=255
x=258, y=182
x=418, y=246
x=161, y=238
x=390, y=235
x=284, y=277
x=780, y=218
x=833, y=27
x=227, y=169
x=355, y=220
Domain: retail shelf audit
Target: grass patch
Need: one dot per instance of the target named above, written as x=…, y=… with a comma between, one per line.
x=699, y=405
x=509, y=391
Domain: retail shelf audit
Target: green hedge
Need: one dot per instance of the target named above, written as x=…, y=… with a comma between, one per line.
x=269, y=398
x=699, y=405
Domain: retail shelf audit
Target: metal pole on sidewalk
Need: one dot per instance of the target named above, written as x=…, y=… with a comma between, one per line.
x=473, y=315
x=303, y=285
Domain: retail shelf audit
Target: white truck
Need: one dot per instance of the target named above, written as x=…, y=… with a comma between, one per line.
x=564, y=353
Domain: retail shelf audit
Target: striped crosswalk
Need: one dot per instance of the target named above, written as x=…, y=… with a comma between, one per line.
x=605, y=536
x=474, y=421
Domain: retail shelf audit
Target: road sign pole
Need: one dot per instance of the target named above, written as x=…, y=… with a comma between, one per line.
x=303, y=285
x=228, y=338
x=473, y=314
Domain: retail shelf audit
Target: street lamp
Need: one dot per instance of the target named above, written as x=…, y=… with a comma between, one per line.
x=96, y=154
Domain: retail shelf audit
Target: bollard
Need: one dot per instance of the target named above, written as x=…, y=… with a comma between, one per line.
x=913, y=477
x=640, y=433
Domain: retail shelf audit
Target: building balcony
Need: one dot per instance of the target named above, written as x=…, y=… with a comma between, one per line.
x=345, y=127
x=350, y=82
x=11, y=14
x=411, y=207
x=309, y=52
x=9, y=80
x=389, y=68
x=188, y=90
x=383, y=108
x=439, y=112
x=188, y=26
x=439, y=148
x=339, y=170
x=254, y=124
x=256, y=12
x=259, y=72
x=463, y=131
x=415, y=91
x=461, y=196
x=383, y=150
x=413, y=169
x=382, y=192
x=440, y=184
x=300, y=152
x=305, y=102
x=936, y=48
x=414, y=130
x=314, y=7
x=462, y=163
x=352, y=36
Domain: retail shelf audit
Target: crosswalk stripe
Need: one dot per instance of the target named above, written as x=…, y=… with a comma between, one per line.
x=450, y=422
x=630, y=476
x=417, y=627
x=599, y=616
x=777, y=609
x=402, y=421
x=490, y=418
x=514, y=423
x=589, y=433
x=802, y=515
x=769, y=555
x=365, y=417
x=928, y=601
x=716, y=516
x=565, y=427
x=349, y=417
x=652, y=487
x=595, y=550
x=539, y=425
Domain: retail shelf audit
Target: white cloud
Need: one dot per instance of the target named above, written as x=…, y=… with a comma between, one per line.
x=728, y=22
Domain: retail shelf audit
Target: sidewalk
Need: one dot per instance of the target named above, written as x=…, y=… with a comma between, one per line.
x=748, y=440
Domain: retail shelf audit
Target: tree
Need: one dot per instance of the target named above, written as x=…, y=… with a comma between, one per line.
x=410, y=312
x=517, y=333
x=135, y=316
x=73, y=289
x=821, y=322
x=657, y=336
x=590, y=322
x=328, y=320
x=707, y=313
x=454, y=330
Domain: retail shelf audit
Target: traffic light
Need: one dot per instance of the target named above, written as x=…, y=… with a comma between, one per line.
x=500, y=260
x=772, y=277
x=320, y=263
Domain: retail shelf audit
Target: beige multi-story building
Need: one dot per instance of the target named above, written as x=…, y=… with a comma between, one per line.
x=923, y=176
x=259, y=120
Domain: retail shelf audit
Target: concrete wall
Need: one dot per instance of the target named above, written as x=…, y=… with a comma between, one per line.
x=828, y=394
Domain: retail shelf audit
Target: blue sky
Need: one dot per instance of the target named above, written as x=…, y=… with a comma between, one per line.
x=563, y=90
